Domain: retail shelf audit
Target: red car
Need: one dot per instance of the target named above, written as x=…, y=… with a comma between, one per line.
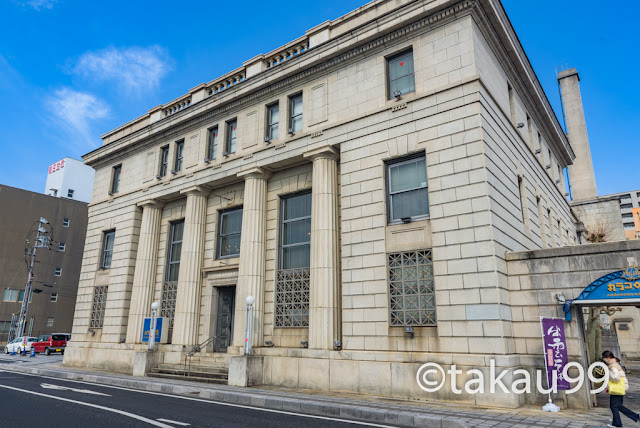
x=49, y=343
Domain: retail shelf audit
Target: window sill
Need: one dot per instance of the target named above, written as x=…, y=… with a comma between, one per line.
x=407, y=98
x=413, y=220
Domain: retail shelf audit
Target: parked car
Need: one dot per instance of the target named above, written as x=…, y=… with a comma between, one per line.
x=49, y=343
x=19, y=344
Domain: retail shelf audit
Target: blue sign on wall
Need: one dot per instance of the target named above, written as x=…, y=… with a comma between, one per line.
x=623, y=285
x=147, y=326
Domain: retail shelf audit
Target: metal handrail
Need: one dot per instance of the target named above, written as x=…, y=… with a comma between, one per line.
x=195, y=349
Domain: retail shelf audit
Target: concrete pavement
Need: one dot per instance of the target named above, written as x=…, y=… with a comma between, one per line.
x=348, y=406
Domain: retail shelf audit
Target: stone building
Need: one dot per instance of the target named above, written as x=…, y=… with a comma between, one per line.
x=417, y=149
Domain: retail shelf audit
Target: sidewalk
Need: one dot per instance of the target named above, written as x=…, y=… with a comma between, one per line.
x=404, y=413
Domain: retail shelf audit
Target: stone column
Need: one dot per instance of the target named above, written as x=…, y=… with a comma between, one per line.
x=324, y=299
x=187, y=315
x=251, y=271
x=144, y=276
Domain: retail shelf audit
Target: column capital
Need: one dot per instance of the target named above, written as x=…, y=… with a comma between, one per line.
x=255, y=172
x=324, y=152
x=155, y=203
x=195, y=190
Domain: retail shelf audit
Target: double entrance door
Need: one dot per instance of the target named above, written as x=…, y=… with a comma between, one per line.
x=224, y=319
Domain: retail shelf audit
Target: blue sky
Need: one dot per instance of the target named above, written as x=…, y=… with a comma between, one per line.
x=72, y=70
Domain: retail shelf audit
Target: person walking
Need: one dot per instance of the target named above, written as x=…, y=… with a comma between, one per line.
x=618, y=385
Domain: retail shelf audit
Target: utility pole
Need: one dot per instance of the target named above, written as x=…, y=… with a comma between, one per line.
x=42, y=241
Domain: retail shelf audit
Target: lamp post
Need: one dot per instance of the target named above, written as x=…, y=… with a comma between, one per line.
x=248, y=324
x=152, y=325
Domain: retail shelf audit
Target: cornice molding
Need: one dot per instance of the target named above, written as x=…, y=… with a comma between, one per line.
x=379, y=43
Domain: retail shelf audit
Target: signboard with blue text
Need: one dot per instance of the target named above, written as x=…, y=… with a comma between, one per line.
x=160, y=333
x=617, y=287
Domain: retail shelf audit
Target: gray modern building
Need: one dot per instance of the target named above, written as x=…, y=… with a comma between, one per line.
x=57, y=270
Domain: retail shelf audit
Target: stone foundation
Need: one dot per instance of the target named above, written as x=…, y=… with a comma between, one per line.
x=394, y=375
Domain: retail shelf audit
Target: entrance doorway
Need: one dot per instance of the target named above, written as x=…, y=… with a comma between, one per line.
x=224, y=318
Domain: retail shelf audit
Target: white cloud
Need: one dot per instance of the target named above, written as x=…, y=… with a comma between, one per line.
x=74, y=112
x=133, y=68
x=37, y=4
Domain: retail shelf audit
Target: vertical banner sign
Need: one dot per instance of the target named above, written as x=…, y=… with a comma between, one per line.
x=555, y=351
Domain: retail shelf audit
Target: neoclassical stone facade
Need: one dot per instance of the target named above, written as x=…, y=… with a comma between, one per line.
x=376, y=213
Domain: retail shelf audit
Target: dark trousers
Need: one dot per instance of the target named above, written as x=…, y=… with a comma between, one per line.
x=615, y=403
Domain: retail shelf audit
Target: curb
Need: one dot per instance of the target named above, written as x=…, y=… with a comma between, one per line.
x=371, y=414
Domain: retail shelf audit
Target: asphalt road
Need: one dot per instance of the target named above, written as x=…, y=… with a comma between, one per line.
x=41, y=401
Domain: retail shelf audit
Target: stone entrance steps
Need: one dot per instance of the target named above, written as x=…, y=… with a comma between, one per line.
x=208, y=374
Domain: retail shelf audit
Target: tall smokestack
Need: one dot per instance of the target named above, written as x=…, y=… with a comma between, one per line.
x=583, y=178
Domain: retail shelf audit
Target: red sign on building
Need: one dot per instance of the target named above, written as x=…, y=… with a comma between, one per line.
x=56, y=166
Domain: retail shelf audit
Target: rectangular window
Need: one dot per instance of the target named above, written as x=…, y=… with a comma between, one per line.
x=295, y=231
x=411, y=289
x=65, y=222
x=98, y=306
x=21, y=296
x=107, y=249
x=295, y=113
x=408, y=197
x=164, y=161
x=5, y=326
x=54, y=297
x=293, y=276
x=70, y=193
x=170, y=286
x=230, y=146
x=58, y=271
x=10, y=295
x=115, y=180
x=273, y=118
x=177, y=166
x=400, y=77
x=212, y=146
x=62, y=246
x=229, y=233
x=49, y=322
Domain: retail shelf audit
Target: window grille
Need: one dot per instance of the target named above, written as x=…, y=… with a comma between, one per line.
x=292, y=282
x=170, y=286
x=168, y=307
x=292, y=298
x=99, y=305
x=411, y=290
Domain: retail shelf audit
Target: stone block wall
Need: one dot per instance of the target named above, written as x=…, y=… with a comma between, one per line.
x=603, y=215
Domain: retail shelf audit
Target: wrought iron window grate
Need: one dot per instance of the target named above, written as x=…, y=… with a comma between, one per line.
x=98, y=307
x=411, y=290
x=292, y=297
x=168, y=306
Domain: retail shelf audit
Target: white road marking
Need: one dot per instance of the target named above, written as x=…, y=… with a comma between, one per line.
x=108, y=409
x=64, y=388
x=169, y=421
x=221, y=403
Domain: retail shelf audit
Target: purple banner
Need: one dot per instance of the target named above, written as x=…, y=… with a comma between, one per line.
x=555, y=351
